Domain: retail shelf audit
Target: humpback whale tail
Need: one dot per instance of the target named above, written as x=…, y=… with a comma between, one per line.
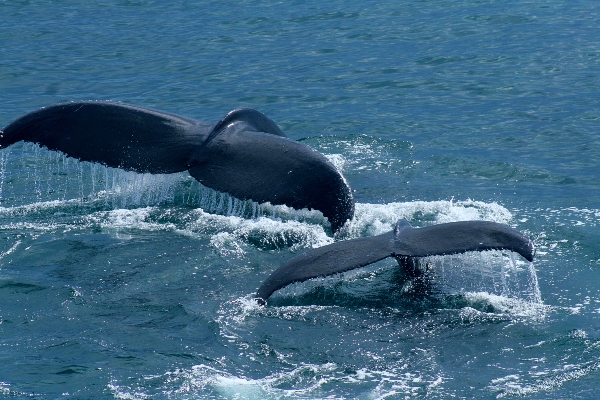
x=245, y=154
x=248, y=156
x=404, y=242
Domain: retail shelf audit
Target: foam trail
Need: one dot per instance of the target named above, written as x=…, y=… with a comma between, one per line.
x=12, y=248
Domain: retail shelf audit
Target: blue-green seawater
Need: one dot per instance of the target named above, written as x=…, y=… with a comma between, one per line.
x=128, y=286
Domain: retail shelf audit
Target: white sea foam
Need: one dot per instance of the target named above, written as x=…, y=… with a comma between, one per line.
x=543, y=381
x=304, y=380
x=122, y=393
x=373, y=219
x=338, y=161
x=10, y=250
x=280, y=226
x=139, y=218
x=5, y=388
x=35, y=207
x=512, y=307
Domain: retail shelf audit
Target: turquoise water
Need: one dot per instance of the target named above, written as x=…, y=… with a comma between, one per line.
x=119, y=285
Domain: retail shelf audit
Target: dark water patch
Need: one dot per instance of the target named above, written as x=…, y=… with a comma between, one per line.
x=441, y=60
x=174, y=317
x=340, y=15
x=76, y=369
x=20, y=287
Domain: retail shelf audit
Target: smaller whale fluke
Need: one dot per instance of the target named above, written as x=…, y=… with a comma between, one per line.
x=403, y=242
x=245, y=154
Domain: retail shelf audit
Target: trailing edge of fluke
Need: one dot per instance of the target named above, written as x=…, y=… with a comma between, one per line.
x=404, y=243
x=245, y=154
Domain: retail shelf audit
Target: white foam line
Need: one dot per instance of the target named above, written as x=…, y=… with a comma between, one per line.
x=38, y=206
x=509, y=385
x=13, y=248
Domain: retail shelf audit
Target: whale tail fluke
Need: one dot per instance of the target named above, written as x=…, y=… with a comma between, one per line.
x=245, y=154
x=265, y=167
x=113, y=134
x=459, y=237
x=404, y=242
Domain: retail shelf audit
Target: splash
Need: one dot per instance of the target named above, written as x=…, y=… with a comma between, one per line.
x=47, y=191
x=375, y=219
x=304, y=380
x=40, y=176
x=494, y=272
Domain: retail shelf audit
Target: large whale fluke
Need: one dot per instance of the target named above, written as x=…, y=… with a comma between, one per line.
x=116, y=135
x=245, y=154
x=403, y=242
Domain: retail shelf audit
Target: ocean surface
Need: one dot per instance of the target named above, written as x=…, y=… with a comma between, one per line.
x=136, y=286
